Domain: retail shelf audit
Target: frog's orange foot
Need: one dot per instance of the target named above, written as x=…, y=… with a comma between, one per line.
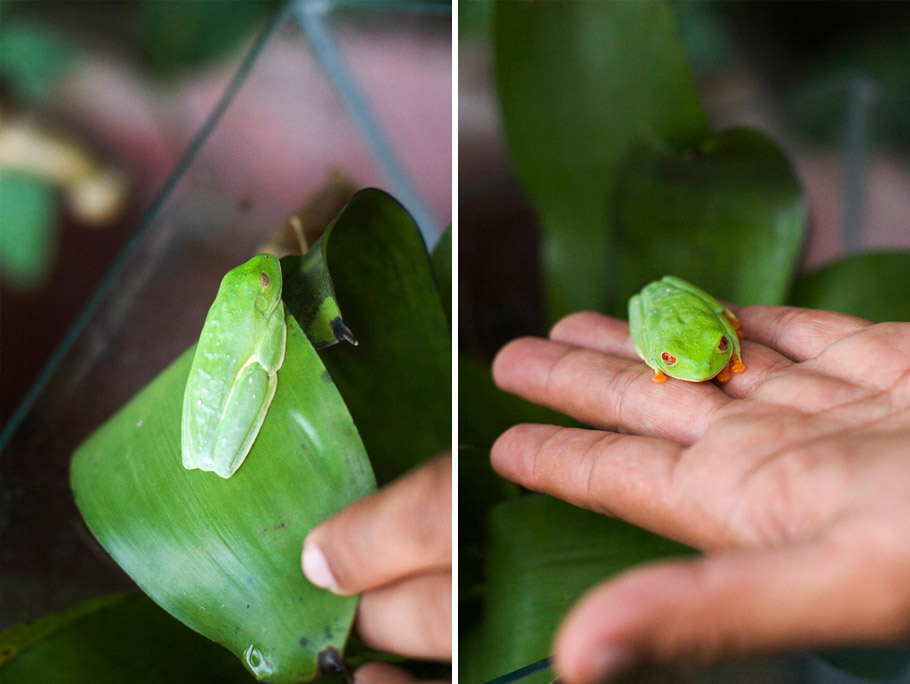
x=737, y=366
x=659, y=376
x=724, y=374
x=740, y=334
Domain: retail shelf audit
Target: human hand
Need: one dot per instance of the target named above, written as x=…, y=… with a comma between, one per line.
x=793, y=477
x=395, y=546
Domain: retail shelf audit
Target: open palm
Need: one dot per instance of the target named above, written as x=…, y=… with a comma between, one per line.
x=793, y=477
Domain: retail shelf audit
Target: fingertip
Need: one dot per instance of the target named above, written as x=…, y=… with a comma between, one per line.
x=592, y=330
x=381, y=673
x=577, y=658
x=570, y=328
x=504, y=363
x=316, y=567
x=515, y=447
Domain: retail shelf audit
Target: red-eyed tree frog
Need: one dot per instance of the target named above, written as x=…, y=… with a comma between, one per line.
x=681, y=331
x=234, y=373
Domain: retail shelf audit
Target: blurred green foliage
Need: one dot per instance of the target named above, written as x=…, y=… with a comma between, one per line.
x=578, y=84
x=871, y=285
x=728, y=215
x=175, y=35
x=34, y=57
x=164, y=37
x=28, y=215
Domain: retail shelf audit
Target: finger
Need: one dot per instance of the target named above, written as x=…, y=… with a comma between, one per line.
x=382, y=673
x=604, y=391
x=403, y=528
x=808, y=596
x=623, y=476
x=412, y=617
x=800, y=334
x=877, y=356
x=592, y=330
x=609, y=335
x=386, y=673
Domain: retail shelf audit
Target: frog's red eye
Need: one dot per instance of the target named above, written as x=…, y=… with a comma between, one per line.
x=668, y=358
x=722, y=345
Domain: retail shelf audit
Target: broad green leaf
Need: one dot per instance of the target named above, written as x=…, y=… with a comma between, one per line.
x=542, y=555
x=442, y=268
x=480, y=490
x=117, y=639
x=873, y=286
x=223, y=556
x=578, y=83
x=397, y=383
x=28, y=231
x=728, y=216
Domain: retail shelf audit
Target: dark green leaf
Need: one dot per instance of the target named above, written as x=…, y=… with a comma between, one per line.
x=579, y=82
x=728, y=216
x=485, y=411
x=223, y=555
x=117, y=639
x=397, y=382
x=177, y=35
x=480, y=490
x=874, y=663
x=442, y=268
x=309, y=294
x=19, y=638
x=873, y=286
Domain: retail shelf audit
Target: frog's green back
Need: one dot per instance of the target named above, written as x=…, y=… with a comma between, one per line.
x=241, y=324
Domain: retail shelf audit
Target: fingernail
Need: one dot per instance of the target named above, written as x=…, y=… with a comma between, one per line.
x=608, y=662
x=316, y=568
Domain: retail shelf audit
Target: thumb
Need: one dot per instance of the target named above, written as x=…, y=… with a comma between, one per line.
x=403, y=529
x=727, y=605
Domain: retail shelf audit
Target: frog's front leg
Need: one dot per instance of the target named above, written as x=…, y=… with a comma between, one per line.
x=243, y=417
x=272, y=343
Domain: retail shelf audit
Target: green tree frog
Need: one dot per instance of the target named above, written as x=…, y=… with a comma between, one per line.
x=234, y=373
x=681, y=331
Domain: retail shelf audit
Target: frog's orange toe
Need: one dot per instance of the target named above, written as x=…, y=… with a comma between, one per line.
x=740, y=334
x=659, y=376
x=724, y=375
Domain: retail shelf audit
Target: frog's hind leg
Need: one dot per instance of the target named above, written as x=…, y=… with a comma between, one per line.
x=243, y=417
x=734, y=321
